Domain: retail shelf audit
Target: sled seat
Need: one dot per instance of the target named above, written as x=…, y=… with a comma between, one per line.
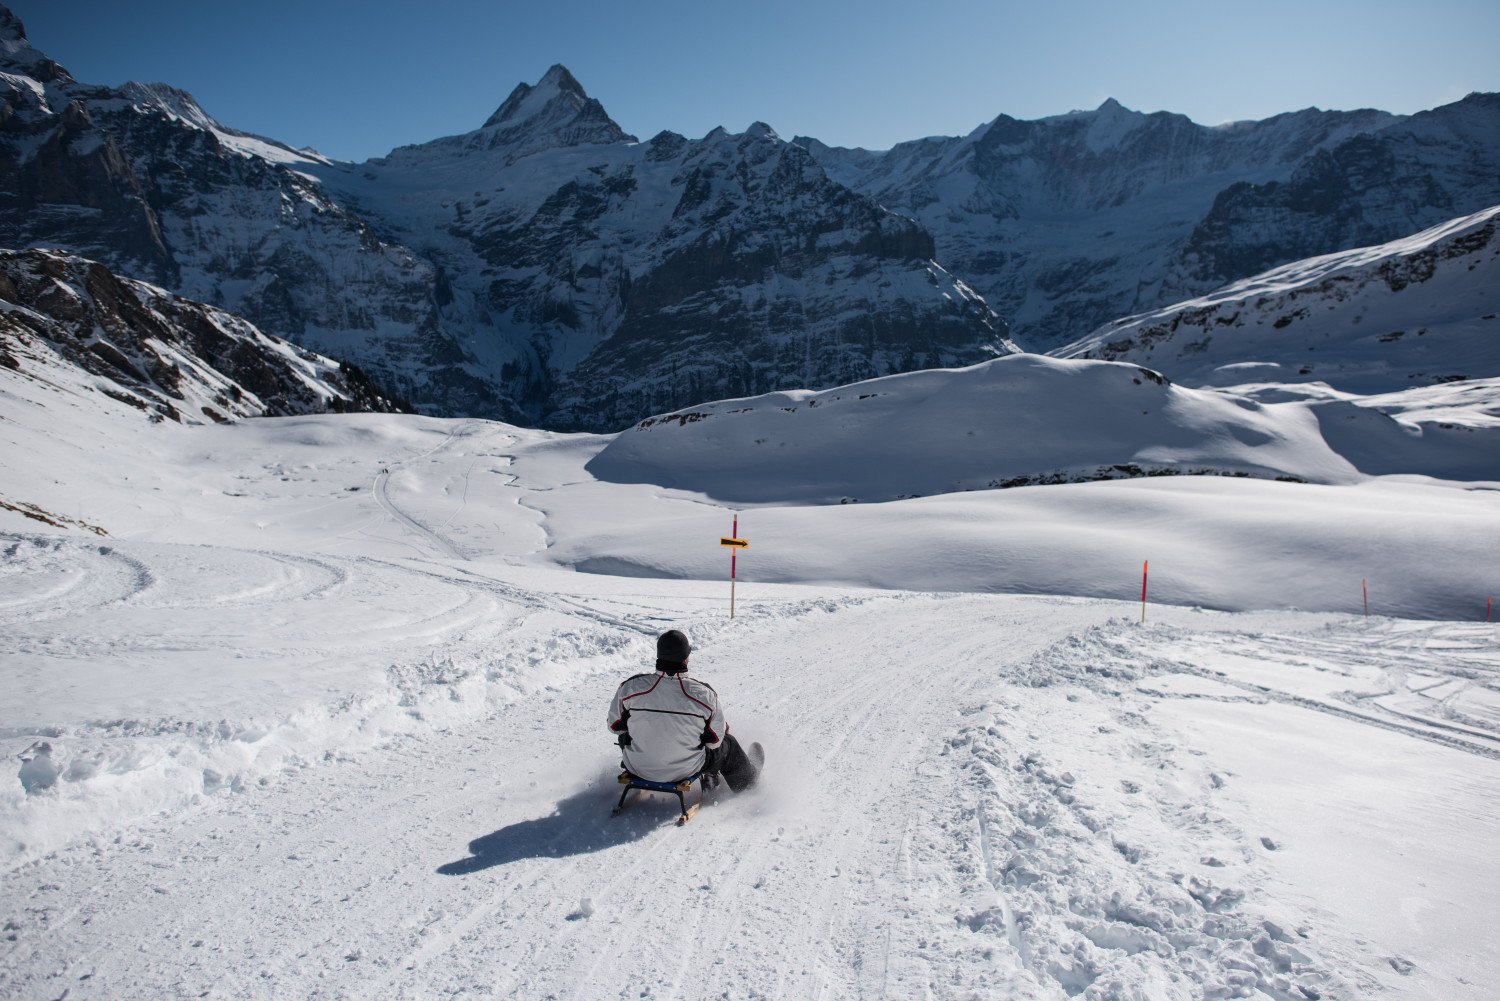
x=680, y=789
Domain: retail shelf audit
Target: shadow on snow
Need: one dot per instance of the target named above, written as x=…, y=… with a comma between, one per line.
x=579, y=825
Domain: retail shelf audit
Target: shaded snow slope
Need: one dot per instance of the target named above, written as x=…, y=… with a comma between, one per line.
x=1416, y=311
x=1219, y=543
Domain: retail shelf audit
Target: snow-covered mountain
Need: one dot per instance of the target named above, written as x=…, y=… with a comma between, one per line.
x=1066, y=222
x=548, y=267
x=1418, y=311
x=143, y=180
x=544, y=267
x=630, y=277
x=75, y=326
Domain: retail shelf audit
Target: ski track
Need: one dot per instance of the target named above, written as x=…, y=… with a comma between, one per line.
x=381, y=488
x=1394, y=651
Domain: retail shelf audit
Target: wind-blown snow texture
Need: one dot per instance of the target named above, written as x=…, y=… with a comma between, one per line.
x=548, y=268
x=312, y=706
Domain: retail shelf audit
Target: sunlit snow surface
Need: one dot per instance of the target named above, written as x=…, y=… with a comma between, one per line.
x=322, y=715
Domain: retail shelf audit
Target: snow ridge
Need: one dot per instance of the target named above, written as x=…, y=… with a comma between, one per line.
x=1421, y=310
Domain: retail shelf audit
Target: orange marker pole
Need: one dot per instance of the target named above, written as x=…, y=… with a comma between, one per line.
x=1365, y=587
x=1145, y=569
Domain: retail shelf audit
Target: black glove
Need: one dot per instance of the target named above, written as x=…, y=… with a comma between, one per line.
x=624, y=740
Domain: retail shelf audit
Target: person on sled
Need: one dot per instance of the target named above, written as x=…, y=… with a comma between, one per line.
x=671, y=726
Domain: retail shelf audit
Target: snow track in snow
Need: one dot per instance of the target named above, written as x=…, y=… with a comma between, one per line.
x=1389, y=651
x=979, y=808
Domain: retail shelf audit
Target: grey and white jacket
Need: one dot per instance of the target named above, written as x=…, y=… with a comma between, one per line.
x=671, y=719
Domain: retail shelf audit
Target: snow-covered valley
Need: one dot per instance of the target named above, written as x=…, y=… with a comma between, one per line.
x=321, y=714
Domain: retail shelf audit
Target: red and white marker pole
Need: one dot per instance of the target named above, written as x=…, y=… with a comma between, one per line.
x=734, y=543
x=1145, y=569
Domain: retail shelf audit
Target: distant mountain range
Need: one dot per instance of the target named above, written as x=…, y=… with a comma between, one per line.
x=549, y=269
x=1069, y=222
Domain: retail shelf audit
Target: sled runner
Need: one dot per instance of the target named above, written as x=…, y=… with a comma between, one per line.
x=680, y=789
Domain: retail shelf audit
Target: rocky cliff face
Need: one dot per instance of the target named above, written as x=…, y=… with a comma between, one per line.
x=141, y=179
x=544, y=268
x=1066, y=222
x=1368, y=189
x=648, y=276
x=169, y=357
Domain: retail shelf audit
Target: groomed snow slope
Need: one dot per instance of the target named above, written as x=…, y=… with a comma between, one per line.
x=322, y=716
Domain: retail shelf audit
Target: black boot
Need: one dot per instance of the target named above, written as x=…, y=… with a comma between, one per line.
x=730, y=760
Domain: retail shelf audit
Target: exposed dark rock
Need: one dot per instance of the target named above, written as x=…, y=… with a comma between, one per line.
x=71, y=311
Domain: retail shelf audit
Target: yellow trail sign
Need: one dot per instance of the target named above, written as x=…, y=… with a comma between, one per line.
x=735, y=543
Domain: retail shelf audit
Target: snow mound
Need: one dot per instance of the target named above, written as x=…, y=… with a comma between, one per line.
x=1024, y=419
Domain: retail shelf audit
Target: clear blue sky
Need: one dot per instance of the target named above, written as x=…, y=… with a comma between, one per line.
x=355, y=78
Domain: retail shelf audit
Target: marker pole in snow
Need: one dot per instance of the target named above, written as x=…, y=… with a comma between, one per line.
x=1487, y=603
x=734, y=544
x=1145, y=569
x=1364, y=586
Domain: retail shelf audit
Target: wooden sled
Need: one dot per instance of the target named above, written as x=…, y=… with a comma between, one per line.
x=680, y=789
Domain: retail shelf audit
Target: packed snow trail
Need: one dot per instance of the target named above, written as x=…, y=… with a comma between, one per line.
x=966, y=796
x=485, y=842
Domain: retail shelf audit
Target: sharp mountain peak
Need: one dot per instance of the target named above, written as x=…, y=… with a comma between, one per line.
x=11, y=28
x=527, y=99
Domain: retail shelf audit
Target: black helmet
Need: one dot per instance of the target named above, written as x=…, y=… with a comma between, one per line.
x=672, y=649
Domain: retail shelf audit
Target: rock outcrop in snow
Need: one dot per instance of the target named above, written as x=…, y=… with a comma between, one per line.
x=67, y=319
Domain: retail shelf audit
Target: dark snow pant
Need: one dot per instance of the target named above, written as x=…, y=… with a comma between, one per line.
x=730, y=760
